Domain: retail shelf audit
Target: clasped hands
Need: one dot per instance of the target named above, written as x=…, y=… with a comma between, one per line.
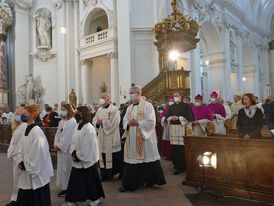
x=133, y=122
x=174, y=118
x=99, y=122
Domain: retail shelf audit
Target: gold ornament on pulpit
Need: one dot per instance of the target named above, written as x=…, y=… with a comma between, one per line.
x=174, y=35
x=176, y=32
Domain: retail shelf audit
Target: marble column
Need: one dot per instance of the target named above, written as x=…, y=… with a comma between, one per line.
x=5, y=22
x=240, y=66
x=114, y=77
x=227, y=69
x=271, y=58
x=84, y=81
x=195, y=72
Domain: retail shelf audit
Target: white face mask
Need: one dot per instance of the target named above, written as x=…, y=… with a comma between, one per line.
x=176, y=99
x=185, y=101
x=213, y=99
x=102, y=101
x=171, y=103
x=197, y=104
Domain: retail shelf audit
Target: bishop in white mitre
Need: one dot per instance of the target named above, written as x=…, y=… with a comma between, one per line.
x=106, y=121
x=141, y=156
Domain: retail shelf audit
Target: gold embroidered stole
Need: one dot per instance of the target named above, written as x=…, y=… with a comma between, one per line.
x=139, y=136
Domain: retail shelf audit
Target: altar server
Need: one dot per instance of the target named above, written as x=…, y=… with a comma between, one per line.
x=62, y=143
x=179, y=117
x=107, y=121
x=219, y=114
x=35, y=163
x=18, y=129
x=141, y=156
x=202, y=115
x=84, y=182
x=167, y=150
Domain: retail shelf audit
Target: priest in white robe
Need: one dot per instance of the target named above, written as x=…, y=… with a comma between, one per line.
x=35, y=163
x=141, y=156
x=62, y=142
x=235, y=107
x=107, y=120
x=18, y=129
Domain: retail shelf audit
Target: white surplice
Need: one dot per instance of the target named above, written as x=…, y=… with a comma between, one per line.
x=108, y=133
x=37, y=160
x=13, y=152
x=219, y=124
x=147, y=127
x=63, y=141
x=200, y=129
x=166, y=128
x=85, y=143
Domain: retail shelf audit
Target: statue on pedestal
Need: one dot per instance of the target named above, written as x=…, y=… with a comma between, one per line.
x=31, y=92
x=103, y=88
x=73, y=98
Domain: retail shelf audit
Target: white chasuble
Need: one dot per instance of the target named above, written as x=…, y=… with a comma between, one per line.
x=141, y=142
x=63, y=141
x=37, y=160
x=108, y=133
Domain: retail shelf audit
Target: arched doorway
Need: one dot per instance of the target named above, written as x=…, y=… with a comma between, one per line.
x=211, y=60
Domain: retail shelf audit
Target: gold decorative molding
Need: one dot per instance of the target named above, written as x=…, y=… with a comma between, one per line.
x=271, y=45
x=176, y=32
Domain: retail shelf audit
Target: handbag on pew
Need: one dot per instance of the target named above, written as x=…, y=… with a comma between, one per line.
x=210, y=129
x=189, y=129
x=228, y=125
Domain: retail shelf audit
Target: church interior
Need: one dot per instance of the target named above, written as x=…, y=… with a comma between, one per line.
x=185, y=89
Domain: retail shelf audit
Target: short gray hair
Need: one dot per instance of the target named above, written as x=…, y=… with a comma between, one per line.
x=137, y=89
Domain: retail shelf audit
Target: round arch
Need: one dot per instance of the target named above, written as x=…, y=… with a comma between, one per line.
x=90, y=15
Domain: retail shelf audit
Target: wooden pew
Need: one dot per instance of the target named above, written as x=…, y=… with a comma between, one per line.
x=6, y=134
x=245, y=168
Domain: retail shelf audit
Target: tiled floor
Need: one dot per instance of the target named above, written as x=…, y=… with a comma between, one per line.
x=172, y=194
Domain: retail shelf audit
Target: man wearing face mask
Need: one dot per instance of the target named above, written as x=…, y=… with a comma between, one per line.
x=218, y=113
x=179, y=117
x=167, y=150
x=202, y=115
x=107, y=121
x=141, y=156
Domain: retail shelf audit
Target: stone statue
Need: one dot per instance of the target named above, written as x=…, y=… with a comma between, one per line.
x=43, y=25
x=31, y=92
x=103, y=88
x=73, y=98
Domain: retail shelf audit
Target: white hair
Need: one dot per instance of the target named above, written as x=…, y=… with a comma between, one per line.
x=137, y=89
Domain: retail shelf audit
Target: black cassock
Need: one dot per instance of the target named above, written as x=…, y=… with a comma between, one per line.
x=178, y=151
x=251, y=126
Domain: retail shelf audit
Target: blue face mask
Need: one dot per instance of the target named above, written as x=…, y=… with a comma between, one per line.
x=24, y=118
x=18, y=118
x=64, y=113
x=132, y=97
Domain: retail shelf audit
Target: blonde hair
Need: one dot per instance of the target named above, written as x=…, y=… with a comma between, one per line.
x=16, y=124
x=70, y=109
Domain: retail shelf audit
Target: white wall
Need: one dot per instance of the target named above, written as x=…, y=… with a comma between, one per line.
x=99, y=71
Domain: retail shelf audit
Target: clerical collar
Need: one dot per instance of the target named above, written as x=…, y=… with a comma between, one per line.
x=135, y=103
x=106, y=106
x=80, y=126
x=28, y=129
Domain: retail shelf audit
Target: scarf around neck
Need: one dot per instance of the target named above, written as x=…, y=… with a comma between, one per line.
x=250, y=112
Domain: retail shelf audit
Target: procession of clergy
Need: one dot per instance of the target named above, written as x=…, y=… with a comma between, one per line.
x=80, y=145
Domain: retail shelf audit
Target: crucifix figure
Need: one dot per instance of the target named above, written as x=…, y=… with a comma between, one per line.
x=109, y=115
